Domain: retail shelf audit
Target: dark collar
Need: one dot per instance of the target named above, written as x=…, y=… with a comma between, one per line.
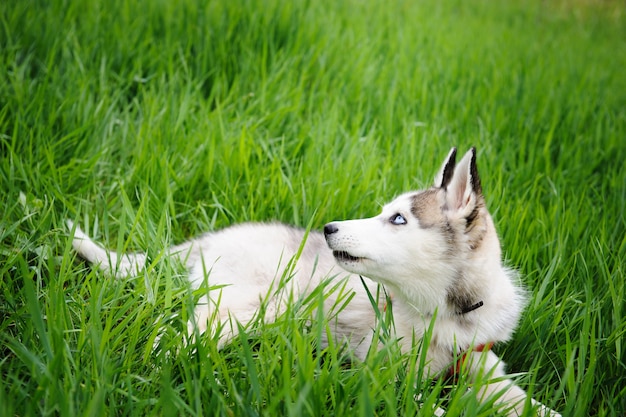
x=471, y=308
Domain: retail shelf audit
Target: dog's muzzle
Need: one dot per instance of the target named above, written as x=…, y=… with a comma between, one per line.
x=341, y=255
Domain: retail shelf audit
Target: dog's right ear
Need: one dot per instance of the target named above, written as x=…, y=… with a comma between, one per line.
x=443, y=177
x=464, y=193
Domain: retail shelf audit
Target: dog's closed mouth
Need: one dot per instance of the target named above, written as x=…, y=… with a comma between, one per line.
x=342, y=255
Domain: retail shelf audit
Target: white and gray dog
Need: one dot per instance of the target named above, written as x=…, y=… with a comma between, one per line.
x=436, y=252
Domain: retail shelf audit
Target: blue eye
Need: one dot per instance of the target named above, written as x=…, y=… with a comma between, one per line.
x=397, y=219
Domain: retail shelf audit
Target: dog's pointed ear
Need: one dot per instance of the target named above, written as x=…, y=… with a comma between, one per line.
x=464, y=191
x=443, y=177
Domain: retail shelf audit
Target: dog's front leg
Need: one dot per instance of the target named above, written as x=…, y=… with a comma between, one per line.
x=487, y=371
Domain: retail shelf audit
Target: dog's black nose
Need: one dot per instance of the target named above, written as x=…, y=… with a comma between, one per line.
x=330, y=228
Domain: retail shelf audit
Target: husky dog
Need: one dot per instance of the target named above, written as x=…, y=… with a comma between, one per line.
x=435, y=251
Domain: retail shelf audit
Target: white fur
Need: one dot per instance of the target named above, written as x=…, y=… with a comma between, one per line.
x=424, y=264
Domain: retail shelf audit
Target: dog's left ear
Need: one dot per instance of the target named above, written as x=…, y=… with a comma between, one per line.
x=464, y=192
x=443, y=177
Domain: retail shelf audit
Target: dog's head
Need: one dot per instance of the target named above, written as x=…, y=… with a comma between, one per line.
x=422, y=239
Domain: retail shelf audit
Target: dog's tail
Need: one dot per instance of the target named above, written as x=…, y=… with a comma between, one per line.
x=113, y=264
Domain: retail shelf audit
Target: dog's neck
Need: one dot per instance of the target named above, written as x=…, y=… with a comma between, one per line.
x=455, y=310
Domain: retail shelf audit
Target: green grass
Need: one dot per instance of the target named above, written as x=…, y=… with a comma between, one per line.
x=150, y=122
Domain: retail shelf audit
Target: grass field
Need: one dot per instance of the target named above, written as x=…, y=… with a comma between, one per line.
x=151, y=122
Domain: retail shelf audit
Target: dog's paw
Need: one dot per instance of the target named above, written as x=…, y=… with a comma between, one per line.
x=437, y=411
x=543, y=411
